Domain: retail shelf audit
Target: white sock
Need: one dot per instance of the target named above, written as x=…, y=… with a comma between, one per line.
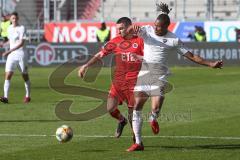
x=6, y=88
x=153, y=116
x=137, y=125
x=27, y=88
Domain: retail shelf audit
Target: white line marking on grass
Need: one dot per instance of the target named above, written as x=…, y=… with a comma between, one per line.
x=172, y=137
x=24, y=135
x=109, y=136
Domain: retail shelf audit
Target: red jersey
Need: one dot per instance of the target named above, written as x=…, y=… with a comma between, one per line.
x=127, y=67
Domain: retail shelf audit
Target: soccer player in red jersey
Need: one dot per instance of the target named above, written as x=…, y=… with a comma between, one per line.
x=125, y=47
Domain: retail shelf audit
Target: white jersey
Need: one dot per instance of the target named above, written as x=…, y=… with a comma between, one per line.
x=16, y=58
x=152, y=78
x=15, y=35
x=156, y=48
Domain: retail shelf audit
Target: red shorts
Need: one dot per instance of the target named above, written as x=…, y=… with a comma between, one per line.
x=123, y=93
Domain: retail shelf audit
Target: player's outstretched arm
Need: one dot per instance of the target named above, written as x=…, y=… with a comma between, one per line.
x=199, y=60
x=92, y=61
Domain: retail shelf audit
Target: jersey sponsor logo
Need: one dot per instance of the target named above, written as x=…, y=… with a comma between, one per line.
x=128, y=57
x=45, y=54
x=125, y=44
x=135, y=45
x=164, y=40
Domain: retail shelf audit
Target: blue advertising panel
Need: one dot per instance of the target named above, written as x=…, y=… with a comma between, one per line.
x=183, y=29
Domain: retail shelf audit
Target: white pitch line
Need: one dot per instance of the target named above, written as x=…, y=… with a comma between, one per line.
x=109, y=136
x=172, y=137
x=24, y=135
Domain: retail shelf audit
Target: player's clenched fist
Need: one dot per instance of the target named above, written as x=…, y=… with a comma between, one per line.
x=82, y=71
x=133, y=29
x=217, y=64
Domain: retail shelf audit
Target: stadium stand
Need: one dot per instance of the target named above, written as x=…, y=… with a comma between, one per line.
x=90, y=10
x=144, y=10
x=85, y=9
x=32, y=12
x=27, y=11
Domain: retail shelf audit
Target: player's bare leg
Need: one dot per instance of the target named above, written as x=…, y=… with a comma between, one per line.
x=157, y=102
x=27, y=85
x=8, y=77
x=137, y=120
x=112, y=104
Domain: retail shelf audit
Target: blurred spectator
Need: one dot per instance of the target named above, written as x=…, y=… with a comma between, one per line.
x=199, y=34
x=103, y=34
x=4, y=27
x=237, y=34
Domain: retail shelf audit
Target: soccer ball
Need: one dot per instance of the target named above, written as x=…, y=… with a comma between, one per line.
x=64, y=133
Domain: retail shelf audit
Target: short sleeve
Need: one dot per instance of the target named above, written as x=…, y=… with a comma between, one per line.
x=143, y=32
x=108, y=48
x=181, y=48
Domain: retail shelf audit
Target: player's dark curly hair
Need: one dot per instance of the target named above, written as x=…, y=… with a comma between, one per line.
x=125, y=20
x=163, y=7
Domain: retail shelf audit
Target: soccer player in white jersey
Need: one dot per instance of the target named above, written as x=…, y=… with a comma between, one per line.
x=15, y=57
x=158, y=43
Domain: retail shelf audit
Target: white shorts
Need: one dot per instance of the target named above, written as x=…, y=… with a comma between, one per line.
x=152, y=79
x=17, y=59
x=152, y=86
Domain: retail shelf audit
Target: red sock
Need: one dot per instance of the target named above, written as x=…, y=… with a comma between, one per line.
x=117, y=115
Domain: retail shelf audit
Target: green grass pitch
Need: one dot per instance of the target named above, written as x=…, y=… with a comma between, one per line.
x=199, y=120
